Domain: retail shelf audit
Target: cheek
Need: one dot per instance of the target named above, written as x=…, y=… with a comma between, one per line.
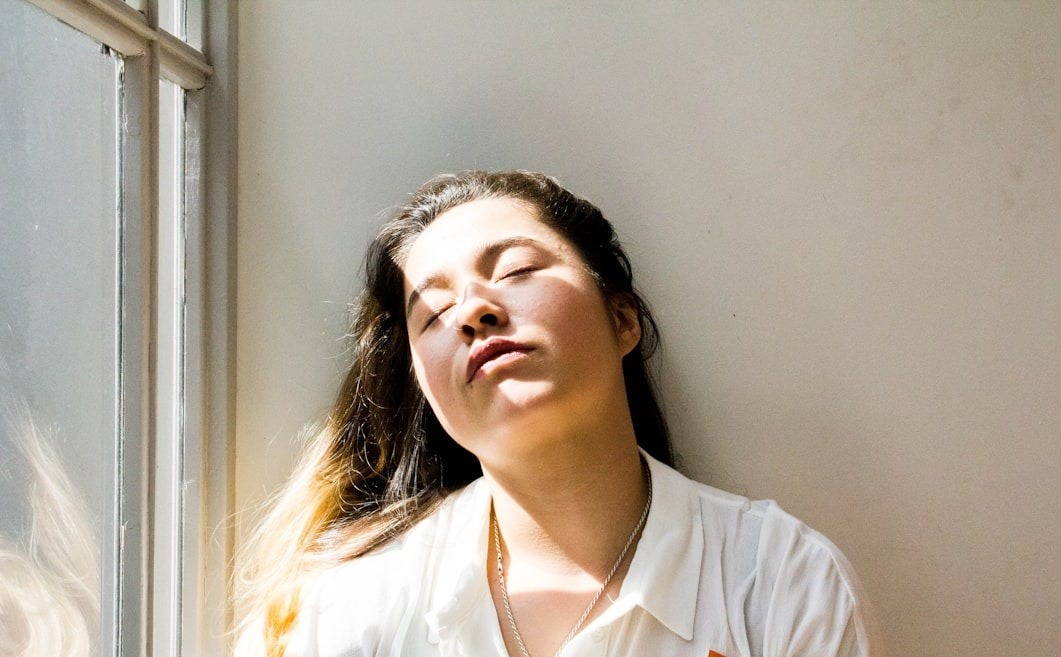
x=434, y=378
x=580, y=314
x=431, y=369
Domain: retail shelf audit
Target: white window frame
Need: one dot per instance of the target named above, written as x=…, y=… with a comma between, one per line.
x=174, y=505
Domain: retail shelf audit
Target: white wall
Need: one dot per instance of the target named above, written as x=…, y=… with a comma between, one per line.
x=847, y=217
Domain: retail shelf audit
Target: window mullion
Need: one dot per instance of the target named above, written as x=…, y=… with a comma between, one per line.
x=139, y=153
x=169, y=504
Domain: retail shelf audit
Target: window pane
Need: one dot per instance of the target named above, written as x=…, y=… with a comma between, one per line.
x=181, y=18
x=171, y=17
x=59, y=332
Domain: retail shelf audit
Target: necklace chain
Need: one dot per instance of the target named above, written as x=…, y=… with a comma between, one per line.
x=596, y=597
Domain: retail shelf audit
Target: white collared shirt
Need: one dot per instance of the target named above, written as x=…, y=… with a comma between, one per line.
x=712, y=572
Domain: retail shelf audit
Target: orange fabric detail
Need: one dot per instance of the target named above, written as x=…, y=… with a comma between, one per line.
x=712, y=653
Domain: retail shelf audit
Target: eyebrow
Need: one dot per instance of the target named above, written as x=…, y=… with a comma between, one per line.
x=488, y=251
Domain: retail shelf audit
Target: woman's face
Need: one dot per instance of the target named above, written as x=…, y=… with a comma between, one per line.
x=509, y=333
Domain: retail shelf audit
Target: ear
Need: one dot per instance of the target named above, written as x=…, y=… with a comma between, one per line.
x=627, y=326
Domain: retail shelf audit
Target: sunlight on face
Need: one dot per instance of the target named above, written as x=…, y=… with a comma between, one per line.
x=508, y=330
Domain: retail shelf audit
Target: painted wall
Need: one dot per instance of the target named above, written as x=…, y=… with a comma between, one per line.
x=847, y=218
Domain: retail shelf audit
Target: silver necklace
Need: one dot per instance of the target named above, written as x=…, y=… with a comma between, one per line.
x=596, y=597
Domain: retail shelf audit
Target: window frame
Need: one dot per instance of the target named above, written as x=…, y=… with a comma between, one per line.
x=174, y=468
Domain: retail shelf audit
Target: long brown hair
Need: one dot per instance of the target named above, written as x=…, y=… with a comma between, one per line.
x=381, y=461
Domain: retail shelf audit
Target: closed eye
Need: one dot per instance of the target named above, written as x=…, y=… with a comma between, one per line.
x=435, y=314
x=519, y=271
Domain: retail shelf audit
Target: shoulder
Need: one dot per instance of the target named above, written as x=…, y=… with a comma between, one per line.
x=349, y=608
x=809, y=593
x=778, y=541
x=789, y=587
x=781, y=542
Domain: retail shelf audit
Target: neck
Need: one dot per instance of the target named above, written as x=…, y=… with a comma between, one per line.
x=570, y=513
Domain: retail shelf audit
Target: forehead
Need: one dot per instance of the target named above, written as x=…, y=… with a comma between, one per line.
x=459, y=233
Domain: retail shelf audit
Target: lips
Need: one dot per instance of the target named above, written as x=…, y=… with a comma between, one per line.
x=491, y=350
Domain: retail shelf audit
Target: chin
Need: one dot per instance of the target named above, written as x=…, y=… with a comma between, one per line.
x=515, y=394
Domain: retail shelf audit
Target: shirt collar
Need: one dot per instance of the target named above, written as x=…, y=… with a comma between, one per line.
x=459, y=553
x=663, y=578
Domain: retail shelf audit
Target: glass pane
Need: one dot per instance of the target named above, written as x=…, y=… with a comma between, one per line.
x=181, y=18
x=193, y=23
x=171, y=17
x=59, y=331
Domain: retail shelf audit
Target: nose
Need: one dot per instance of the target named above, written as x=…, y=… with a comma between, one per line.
x=478, y=313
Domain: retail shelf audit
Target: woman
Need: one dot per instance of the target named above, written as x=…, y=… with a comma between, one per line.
x=494, y=477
